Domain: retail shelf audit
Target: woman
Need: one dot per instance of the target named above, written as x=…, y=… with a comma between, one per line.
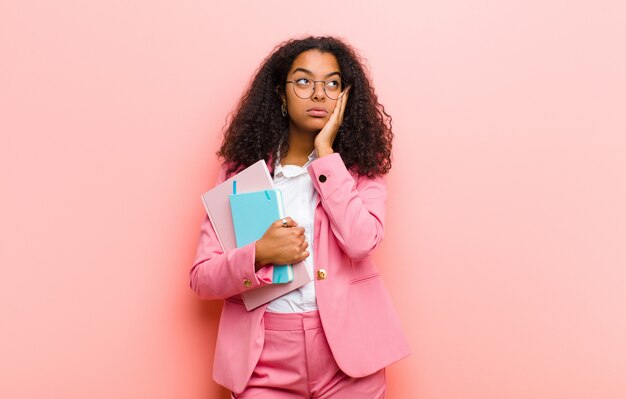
x=312, y=114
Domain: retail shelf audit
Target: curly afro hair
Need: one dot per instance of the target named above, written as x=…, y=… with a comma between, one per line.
x=256, y=127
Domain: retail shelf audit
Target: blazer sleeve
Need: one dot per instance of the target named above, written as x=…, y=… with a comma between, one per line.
x=216, y=274
x=355, y=209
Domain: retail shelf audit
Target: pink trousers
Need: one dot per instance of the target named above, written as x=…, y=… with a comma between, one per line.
x=296, y=362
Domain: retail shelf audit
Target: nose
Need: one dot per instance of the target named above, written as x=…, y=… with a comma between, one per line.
x=318, y=91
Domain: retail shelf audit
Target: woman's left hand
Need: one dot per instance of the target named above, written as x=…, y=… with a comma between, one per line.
x=326, y=137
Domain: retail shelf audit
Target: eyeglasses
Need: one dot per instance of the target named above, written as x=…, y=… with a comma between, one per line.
x=305, y=88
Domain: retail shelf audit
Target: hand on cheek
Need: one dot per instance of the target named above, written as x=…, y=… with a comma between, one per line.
x=326, y=137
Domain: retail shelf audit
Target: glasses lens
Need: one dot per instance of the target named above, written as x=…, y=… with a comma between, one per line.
x=333, y=89
x=305, y=88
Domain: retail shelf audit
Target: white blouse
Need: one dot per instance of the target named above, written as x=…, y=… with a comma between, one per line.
x=299, y=197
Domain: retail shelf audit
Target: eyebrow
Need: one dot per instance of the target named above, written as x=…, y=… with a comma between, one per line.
x=311, y=73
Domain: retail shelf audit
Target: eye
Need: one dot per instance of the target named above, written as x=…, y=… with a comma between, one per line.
x=332, y=84
x=302, y=81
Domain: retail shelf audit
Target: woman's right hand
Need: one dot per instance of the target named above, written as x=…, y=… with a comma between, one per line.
x=281, y=245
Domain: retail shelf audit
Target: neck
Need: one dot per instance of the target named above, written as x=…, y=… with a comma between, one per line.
x=301, y=144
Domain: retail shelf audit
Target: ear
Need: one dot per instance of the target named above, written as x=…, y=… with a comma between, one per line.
x=281, y=94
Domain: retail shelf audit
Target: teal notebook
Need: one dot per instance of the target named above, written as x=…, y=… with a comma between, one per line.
x=252, y=214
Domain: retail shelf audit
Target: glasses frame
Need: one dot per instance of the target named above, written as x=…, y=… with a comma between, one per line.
x=313, y=91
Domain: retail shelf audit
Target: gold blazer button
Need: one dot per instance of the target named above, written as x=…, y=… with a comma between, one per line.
x=247, y=283
x=321, y=274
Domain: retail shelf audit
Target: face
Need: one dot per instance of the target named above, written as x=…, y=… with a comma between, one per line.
x=311, y=114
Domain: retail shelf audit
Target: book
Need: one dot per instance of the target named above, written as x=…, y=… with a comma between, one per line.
x=255, y=177
x=252, y=214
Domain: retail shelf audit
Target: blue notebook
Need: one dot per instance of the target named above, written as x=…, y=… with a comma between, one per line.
x=252, y=214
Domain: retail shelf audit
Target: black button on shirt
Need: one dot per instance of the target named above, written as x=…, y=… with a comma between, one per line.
x=322, y=178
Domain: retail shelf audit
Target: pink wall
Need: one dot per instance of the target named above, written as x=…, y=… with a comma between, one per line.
x=505, y=250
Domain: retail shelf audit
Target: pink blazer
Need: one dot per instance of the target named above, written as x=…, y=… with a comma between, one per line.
x=357, y=315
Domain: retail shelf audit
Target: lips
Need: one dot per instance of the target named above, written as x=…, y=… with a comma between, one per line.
x=317, y=112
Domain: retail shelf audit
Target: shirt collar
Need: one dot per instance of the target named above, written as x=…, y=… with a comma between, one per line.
x=293, y=170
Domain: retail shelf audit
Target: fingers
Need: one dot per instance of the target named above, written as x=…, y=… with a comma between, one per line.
x=285, y=222
x=338, y=111
x=304, y=255
x=301, y=253
x=296, y=252
x=341, y=106
x=343, y=102
x=301, y=257
x=289, y=245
